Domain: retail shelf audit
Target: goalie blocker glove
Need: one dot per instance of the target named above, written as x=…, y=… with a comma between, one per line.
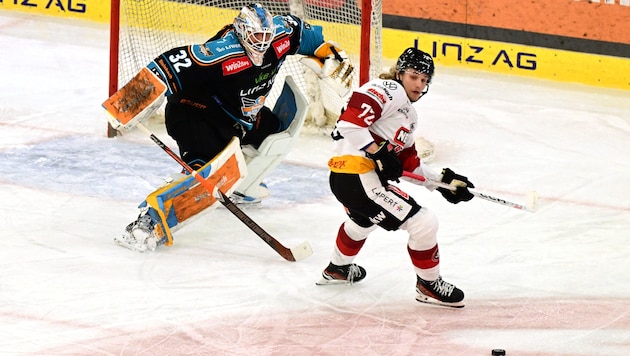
x=460, y=182
x=388, y=166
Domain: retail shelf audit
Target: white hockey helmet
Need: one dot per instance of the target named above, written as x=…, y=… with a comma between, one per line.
x=255, y=30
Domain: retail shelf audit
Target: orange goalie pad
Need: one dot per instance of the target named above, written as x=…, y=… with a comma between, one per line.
x=199, y=198
x=136, y=100
x=186, y=197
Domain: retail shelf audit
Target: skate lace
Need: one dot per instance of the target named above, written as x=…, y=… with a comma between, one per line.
x=353, y=271
x=442, y=287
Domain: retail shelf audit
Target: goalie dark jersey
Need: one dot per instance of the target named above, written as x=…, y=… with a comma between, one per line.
x=219, y=72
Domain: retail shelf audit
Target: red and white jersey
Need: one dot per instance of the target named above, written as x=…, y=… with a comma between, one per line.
x=377, y=111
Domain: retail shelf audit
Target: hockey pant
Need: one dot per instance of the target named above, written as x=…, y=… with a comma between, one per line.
x=370, y=205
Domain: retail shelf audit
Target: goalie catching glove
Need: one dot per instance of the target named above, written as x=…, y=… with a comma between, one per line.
x=460, y=182
x=331, y=64
x=388, y=166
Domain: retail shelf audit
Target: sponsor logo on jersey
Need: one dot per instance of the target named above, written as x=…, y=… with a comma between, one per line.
x=378, y=218
x=205, y=51
x=281, y=47
x=236, y=65
x=289, y=20
x=193, y=103
x=385, y=91
x=386, y=199
x=230, y=46
x=263, y=86
x=397, y=190
x=165, y=68
x=337, y=164
x=402, y=137
x=262, y=77
x=251, y=107
x=390, y=84
x=377, y=94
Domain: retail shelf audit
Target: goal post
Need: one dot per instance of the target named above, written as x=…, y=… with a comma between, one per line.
x=141, y=30
x=114, y=41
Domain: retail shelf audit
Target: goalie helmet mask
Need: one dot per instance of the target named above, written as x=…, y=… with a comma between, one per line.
x=255, y=29
x=419, y=61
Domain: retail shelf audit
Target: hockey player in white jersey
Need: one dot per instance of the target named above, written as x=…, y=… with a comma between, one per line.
x=373, y=144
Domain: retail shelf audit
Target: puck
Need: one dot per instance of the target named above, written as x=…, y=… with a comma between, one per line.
x=498, y=352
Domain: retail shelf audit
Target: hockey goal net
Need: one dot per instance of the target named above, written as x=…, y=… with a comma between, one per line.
x=141, y=30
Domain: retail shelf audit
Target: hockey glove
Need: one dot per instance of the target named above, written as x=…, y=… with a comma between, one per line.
x=388, y=166
x=460, y=182
x=332, y=66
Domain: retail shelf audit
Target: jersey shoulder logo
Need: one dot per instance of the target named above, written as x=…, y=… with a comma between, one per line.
x=287, y=21
x=282, y=46
x=390, y=84
x=212, y=52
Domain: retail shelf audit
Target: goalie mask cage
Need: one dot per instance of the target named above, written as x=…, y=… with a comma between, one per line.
x=141, y=30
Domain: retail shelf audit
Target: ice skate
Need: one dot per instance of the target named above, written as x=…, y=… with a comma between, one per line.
x=139, y=235
x=346, y=274
x=439, y=292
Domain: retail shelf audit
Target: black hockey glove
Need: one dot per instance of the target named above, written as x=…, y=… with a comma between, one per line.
x=388, y=166
x=462, y=183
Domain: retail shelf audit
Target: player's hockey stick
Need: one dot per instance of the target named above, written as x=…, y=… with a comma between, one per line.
x=297, y=253
x=531, y=204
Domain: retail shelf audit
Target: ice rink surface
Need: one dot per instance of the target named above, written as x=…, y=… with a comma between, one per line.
x=555, y=282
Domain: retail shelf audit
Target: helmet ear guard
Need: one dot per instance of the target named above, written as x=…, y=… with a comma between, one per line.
x=255, y=29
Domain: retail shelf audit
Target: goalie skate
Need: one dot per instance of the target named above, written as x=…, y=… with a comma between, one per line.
x=261, y=192
x=439, y=292
x=139, y=235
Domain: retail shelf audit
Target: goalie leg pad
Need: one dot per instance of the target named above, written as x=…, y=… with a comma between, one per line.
x=291, y=109
x=260, y=163
x=185, y=197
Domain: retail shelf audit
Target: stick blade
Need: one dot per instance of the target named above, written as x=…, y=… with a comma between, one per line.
x=302, y=251
x=532, y=201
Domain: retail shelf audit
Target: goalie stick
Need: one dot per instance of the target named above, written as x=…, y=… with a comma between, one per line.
x=531, y=204
x=297, y=253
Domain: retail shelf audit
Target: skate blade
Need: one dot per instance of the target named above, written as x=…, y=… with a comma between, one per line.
x=432, y=301
x=324, y=281
x=133, y=247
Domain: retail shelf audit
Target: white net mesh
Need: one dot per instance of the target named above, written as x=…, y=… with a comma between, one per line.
x=150, y=27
